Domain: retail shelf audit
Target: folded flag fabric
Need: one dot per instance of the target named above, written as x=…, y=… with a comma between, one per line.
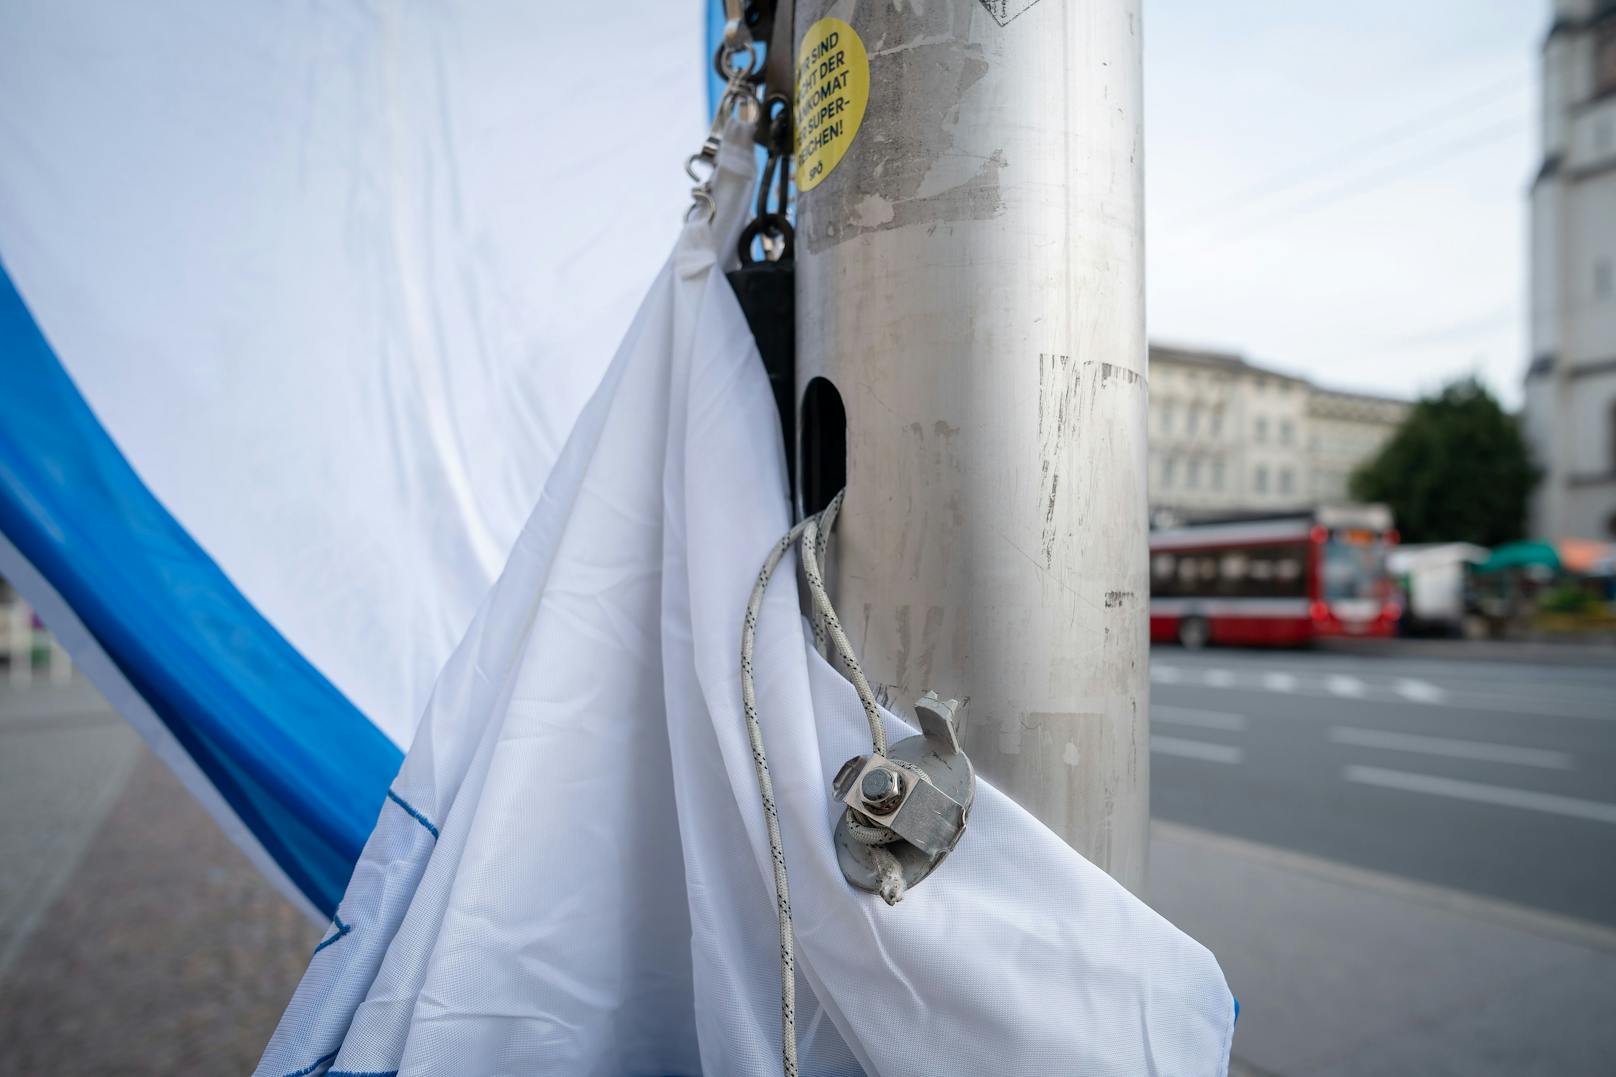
x=571, y=874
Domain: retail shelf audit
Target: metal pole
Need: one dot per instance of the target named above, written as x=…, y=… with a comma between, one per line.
x=970, y=283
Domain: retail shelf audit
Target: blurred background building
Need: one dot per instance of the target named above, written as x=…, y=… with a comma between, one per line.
x=1228, y=436
x=1570, y=399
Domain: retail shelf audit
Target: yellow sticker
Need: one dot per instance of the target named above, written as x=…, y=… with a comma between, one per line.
x=833, y=86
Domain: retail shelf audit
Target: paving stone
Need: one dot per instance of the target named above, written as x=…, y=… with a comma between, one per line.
x=165, y=952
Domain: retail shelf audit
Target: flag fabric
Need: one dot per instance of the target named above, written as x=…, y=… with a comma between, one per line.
x=571, y=873
x=311, y=425
x=298, y=306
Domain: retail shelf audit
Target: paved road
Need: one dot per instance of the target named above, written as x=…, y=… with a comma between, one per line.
x=1492, y=777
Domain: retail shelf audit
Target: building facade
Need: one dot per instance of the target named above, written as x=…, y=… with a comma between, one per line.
x=1345, y=430
x=1570, y=397
x=1227, y=436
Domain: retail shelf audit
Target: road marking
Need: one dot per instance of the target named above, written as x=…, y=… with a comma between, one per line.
x=1452, y=749
x=1576, y=808
x=1165, y=674
x=1279, y=682
x=1161, y=712
x=1197, y=749
x=1219, y=678
x=1340, y=685
x=1420, y=691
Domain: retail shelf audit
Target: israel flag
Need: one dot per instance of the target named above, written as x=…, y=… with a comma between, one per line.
x=299, y=304
x=364, y=442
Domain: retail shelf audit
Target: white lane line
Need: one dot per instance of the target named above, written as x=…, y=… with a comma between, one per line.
x=1420, y=691
x=1197, y=749
x=1339, y=685
x=1279, y=682
x=1165, y=674
x=1219, y=678
x=1480, y=751
x=1161, y=712
x=1576, y=808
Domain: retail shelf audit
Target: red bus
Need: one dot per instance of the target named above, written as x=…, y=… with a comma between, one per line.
x=1277, y=581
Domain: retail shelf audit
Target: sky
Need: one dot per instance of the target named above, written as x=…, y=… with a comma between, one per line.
x=1339, y=190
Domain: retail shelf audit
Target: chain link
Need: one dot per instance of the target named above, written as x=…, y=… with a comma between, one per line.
x=736, y=61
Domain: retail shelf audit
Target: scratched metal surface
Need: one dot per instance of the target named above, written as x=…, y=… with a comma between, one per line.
x=970, y=278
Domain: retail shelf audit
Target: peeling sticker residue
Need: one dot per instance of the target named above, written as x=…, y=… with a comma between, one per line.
x=1010, y=737
x=1057, y=422
x=905, y=639
x=1005, y=10
x=906, y=167
x=1064, y=387
x=1112, y=370
x=874, y=211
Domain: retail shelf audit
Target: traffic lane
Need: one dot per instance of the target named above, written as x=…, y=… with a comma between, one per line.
x=1536, y=690
x=1281, y=780
x=1576, y=679
x=1573, y=756
x=1546, y=757
x=1540, y=691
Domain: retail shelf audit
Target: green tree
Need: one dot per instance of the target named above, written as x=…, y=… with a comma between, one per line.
x=1458, y=470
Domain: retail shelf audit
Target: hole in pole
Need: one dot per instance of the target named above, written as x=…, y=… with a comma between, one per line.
x=822, y=461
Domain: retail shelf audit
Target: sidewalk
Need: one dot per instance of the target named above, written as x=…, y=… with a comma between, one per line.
x=134, y=937
x=1346, y=972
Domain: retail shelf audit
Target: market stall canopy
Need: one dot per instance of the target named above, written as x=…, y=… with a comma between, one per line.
x=1521, y=555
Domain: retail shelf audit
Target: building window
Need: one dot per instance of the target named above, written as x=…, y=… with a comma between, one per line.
x=1192, y=422
x=1260, y=430
x=1167, y=473
x=1192, y=473
x=1286, y=431
x=1605, y=59
x=1217, y=474
x=1167, y=416
x=1613, y=438
x=1286, y=480
x=1217, y=421
x=1259, y=479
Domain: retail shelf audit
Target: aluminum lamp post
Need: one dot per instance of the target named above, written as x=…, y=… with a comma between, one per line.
x=970, y=293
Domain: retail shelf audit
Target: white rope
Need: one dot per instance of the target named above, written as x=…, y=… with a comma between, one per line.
x=814, y=533
x=833, y=626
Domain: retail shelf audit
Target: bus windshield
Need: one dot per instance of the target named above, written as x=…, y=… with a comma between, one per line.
x=1353, y=569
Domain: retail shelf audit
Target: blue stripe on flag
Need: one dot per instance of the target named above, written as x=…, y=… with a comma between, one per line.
x=295, y=760
x=715, y=34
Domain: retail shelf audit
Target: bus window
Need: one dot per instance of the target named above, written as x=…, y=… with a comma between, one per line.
x=1162, y=569
x=1273, y=572
x=1232, y=573
x=1352, y=569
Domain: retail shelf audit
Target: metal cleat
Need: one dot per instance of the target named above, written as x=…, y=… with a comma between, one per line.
x=909, y=806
